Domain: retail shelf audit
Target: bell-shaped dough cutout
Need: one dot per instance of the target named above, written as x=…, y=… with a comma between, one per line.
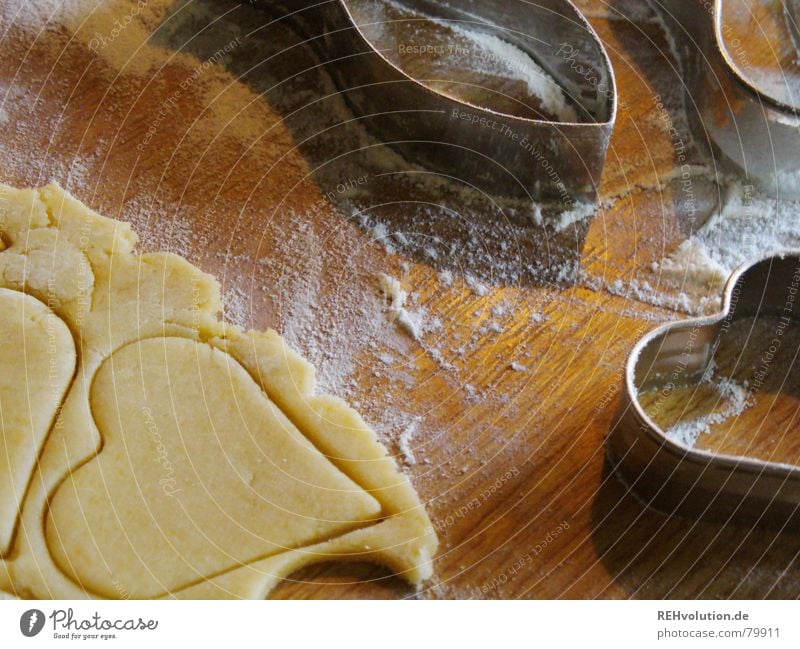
x=198, y=473
x=37, y=354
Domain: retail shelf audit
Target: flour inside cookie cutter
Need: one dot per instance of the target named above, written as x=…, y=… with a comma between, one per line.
x=677, y=479
x=500, y=153
x=749, y=115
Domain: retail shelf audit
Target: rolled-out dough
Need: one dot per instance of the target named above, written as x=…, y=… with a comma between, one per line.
x=37, y=361
x=178, y=456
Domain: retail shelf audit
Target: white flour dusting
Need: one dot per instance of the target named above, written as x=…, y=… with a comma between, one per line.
x=405, y=439
x=330, y=323
x=479, y=288
x=748, y=225
x=498, y=57
x=412, y=322
x=236, y=307
x=734, y=400
x=445, y=277
x=644, y=292
x=578, y=213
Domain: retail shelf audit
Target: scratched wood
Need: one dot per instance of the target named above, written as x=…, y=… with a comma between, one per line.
x=516, y=480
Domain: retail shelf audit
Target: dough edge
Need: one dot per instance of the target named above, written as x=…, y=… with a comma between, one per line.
x=405, y=541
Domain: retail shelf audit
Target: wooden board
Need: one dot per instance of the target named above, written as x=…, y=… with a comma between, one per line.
x=224, y=150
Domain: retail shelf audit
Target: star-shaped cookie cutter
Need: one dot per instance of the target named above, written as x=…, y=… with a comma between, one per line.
x=675, y=478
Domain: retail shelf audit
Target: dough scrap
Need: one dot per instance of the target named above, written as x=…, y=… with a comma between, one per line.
x=179, y=456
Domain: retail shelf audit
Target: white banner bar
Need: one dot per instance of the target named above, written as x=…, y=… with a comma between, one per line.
x=400, y=625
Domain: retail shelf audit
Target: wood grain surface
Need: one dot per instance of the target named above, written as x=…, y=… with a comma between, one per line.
x=511, y=464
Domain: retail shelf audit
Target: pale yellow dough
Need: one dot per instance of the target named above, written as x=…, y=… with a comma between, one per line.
x=178, y=456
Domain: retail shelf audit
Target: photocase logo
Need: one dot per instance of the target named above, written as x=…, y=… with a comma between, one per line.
x=31, y=622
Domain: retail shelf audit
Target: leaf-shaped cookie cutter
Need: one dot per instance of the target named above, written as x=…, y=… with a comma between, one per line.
x=674, y=478
x=500, y=153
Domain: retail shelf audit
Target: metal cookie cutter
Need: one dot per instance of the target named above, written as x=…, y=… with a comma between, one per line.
x=747, y=110
x=677, y=479
x=501, y=153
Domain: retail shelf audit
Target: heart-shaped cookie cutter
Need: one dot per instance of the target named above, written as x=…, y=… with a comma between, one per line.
x=677, y=479
x=500, y=153
x=753, y=129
